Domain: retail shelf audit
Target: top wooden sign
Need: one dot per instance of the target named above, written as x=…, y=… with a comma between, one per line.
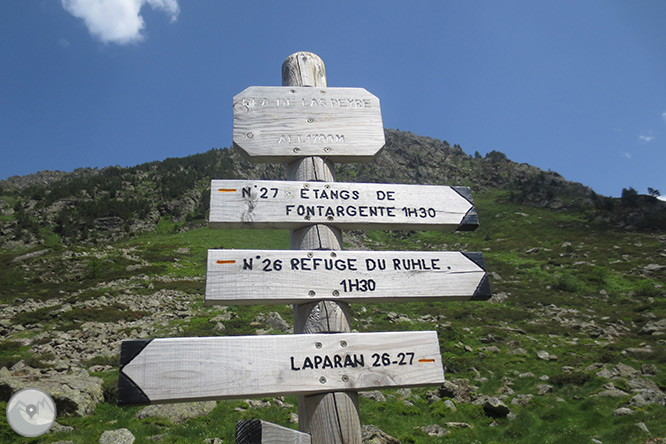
x=281, y=124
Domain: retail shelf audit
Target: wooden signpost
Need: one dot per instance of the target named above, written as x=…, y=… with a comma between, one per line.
x=278, y=124
x=188, y=369
x=355, y=206
x=297, y=277
x=309, y=126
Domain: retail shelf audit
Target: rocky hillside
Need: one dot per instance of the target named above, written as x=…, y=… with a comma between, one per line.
x=90, y=205
x=572, y=347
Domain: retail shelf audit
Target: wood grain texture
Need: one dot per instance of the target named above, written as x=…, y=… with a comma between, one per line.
x=278, y=276
x=339, y=410
x=256, y=431
x=311, y=168
x=184, y=369
x=355, y=206
x=303, y=69
x=280, y=124
x=316, y=237
x=322, y=317
x=315, y=413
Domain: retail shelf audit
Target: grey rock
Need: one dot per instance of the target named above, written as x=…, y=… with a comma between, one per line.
x=626, y=371
x=213, y=441
x=375, y=395
x=73, y=394
x=435, y=430
x=119, y=436
x=653, y=327
x=495, y=408
x=177, y=413
x=543, y=354
x=543, y=389
x=274, y=320
x=371, y=434
x=457, y=388
x=459, y=425
x=58, y=428
x=643, y=427
x=623, y=411
x=612, y=393
x=522, y=399
x=649, y=369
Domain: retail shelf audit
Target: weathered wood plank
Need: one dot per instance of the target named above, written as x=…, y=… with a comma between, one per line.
x=281, y=124
x=279, y=276
x=356, y=206
x=184, y=369
x=256, y=431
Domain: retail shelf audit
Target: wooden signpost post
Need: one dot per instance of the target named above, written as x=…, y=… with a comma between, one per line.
x=309, y=126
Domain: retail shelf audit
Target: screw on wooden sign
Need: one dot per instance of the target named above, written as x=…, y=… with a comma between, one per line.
x=292, y=204
x=180, y=369
x=280, y=124
x=280, y=277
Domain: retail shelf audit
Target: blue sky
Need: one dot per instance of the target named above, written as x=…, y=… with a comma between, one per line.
x=577, y=87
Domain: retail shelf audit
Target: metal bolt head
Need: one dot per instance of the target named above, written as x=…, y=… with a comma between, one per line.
x=333, y=254
x=310, y=254
x=311, y=293
x=296, y=150
x=345, y=378
x=318, y=344
x=322, y=380
x=336, y=293
x=330, y=218
x=343, y=343
x=327, y=149
x=310, y=120
x=250, y=135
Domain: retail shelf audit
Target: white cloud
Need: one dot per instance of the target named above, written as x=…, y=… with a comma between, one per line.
x=663, y=116
x=646, y=137
x=626, y=155
x=117, y=21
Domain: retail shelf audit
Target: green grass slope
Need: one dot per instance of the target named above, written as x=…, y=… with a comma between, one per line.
x=575, y=302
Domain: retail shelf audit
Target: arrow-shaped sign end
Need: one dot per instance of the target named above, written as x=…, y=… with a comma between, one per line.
x=128, y=391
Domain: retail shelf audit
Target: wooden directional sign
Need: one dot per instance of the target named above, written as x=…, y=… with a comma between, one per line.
x=280, y=124
x=297, y=277
x=188, y=369
x=292, y=205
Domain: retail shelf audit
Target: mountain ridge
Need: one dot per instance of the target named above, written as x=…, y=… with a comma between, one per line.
x=94, y=204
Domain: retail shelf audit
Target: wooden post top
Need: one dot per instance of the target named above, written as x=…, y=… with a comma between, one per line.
x=303, y=69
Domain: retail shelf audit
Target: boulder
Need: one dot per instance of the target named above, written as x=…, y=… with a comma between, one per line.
x=177, y=413
x=74, y=394
x=375, y=395
x=371, y=434
x=495, y=408
x=119, y=436
x=653, y=327
x=435, y=430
